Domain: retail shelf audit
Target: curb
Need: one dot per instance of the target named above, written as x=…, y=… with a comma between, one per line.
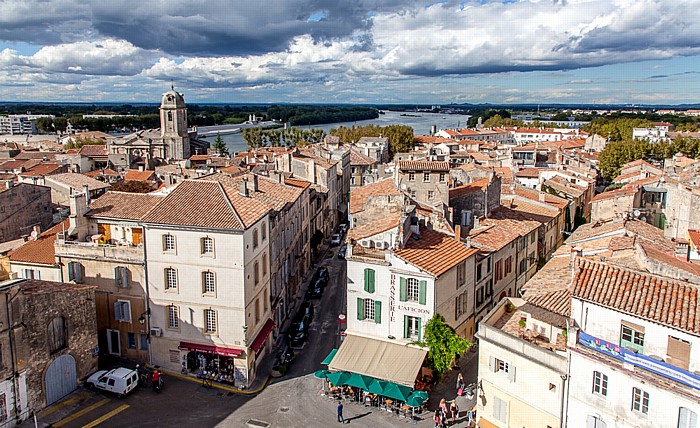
x=216, y=385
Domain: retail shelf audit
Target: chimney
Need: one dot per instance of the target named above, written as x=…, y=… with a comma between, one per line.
x=254, y=183
x=458, y=232
x=36, y=231
x=78, y=222
x=244, y=188
x=86, y=190
x=543, y=197
x=476, y=222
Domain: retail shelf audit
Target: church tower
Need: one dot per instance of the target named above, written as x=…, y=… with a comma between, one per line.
x=173, y=125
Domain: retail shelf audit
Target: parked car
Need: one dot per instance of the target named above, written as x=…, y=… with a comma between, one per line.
x=119, y=381
x=342, y=252
x=315, y=290
x=298, y=334
x=335, y=239
x=321, y=273
x=343, y=228
x=282, y=361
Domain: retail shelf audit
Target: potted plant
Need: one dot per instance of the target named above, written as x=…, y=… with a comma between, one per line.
x=510, y=307
x=522, y=323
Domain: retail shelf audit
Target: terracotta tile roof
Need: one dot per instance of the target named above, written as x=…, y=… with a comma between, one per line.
x=270, y=192
x=232, y=170
x=136, y=175
x=297, y=183
x=619, y=243
x=359, y=195
x=374, y=227
x=610, y=194
x=26, y=155
x=694, y=236
x=44, y=169
x=123, y=205
x=465, y=189
x=423, y=165
x=97, y=135
x=12, y=164
x=37, y=286
x=357, y=158
x=40, y=251
x=93, y=150
x=591, y=230
x=540, y=213
x=558, y=301
x=510, y=220
x=668, y=258
x=427, y=139
x=549, y=199
x=204, y=203
x=526, y=148
x=637, y=162
x=492, y=238
x=100, y=172
x=554, y=276
x=531, y=172
x=561, y=185
x=307, y=155
x=199, y=158
x=434, y=252
x=76, y=181
x=663, y=300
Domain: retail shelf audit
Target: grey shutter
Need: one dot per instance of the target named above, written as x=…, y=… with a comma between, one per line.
x=118, y=311
x=71, y=271
x=492, y=363
x=360, y=308
x=511, y=372
x=420, y=333
x=125, y=277
x=377, y=312
x=126, y=311
x=78, y=272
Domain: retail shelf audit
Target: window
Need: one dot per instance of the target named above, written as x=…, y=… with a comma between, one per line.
x=208, y=282
x=687, y=418
x=352, y=180
x=264, y=265
x=412, y=327
x=56, y=334
x=678, y=352
x=207, y=246
x=461, y=274
x=369, y=280
x=503, y=367
x=498, y=271
x=523, y=265
x=255, y=238
x=75, y=272
x=3, y=408
x=173, y=317
x=368, y=309
x=632, y=337
x=122, y=310
x=442, y=177
x=508, y=265
x=209, y=321
x=131, y=340
x=640, y=401
x=500, y=409
x=143, y=342
x=170, y=279
x=257, y=311
x=479, y=273
x=595, y=422
x=411, y=176
x=263, y=231
x=256, y=273
x=168, y=242
x=426, y=177
x=31, y=274
x=431, y=194
x=466, y=218
x=600, y=384
x=413, y=193
x=532, y=237
x=412, y=290
x=121, y=277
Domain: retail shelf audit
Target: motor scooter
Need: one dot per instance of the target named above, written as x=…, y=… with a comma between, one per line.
x=158, y=385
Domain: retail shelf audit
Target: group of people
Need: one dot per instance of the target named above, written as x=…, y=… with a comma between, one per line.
x=444, y=412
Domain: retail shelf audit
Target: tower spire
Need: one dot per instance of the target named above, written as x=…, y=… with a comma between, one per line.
x=172, y=85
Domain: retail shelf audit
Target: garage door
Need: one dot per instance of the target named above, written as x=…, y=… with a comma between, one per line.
x=60, y=378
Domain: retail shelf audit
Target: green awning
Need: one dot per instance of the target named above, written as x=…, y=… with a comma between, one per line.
x=338, y=378
x=377, y=386
x=397, y=392
x=329, y=358
x=415, y=400
x=321, y=374
x=359, y=381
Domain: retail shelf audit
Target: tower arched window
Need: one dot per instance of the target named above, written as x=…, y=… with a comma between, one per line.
x=170, y=116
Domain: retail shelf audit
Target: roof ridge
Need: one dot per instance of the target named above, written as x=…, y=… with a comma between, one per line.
x=228, y=201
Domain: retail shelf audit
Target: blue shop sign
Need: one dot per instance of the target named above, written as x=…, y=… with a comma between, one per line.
x=640, y=360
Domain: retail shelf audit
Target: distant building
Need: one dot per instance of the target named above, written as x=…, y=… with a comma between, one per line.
x=23, y=206
x=17, y=124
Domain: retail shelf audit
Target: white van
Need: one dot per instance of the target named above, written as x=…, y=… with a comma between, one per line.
x=119, y=381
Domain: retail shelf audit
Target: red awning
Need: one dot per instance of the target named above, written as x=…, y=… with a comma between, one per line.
x=262, y=336
x=211, y=349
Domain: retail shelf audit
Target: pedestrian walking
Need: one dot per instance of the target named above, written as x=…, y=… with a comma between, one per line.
x=454, y=410
x=460, y=384
x=340, y=412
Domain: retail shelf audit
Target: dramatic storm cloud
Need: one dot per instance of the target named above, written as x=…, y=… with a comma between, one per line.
x=358, y=51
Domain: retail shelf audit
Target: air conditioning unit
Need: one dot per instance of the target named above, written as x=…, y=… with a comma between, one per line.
x=156, y=331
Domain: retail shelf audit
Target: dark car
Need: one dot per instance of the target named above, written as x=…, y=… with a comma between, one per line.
x=315, y=290
x=283, y=360
x=321, y=272
x=343, y=250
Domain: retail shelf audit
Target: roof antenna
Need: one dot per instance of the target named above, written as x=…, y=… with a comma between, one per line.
x=172, y=85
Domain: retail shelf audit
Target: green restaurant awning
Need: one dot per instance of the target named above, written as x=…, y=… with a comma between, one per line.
x=330, y=356
x=338, y=378
x=359, y=381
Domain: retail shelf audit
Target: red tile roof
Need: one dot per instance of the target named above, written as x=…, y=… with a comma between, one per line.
x=468, y=188
x=44, y=169
x=434, y=252
x=93, y=150
x=136, y=175
x=628, y=191
x=123, y=205
x=694, y=236
x=492, y=238
x=374, y=227
x=423, y=165
x=663, y=300
x=359, y=195
x=40, y=251
x=357, y=158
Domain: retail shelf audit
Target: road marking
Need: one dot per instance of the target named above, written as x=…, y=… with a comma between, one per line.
x=80, y=413
x=75, y=399
x=106, y=416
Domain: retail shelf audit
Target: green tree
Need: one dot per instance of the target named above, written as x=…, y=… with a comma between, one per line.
x=400, y=137
x=83, y=141
x=443, y=344
x=220, y=147
x=498, y=121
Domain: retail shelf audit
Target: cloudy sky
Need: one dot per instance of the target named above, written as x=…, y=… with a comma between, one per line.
x=352, y=51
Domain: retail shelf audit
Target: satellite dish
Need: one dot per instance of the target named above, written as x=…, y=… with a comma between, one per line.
x=403, y=186
x=636, y=213
x=643, y=219
x=34, y=234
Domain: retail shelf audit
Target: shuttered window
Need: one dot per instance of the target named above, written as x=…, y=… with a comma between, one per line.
x=121, y=277
x=369, y=280
x=500, y=409
x=678, y=352
x=56, y=334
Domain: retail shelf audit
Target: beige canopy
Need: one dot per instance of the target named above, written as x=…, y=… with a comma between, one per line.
x=382, y=360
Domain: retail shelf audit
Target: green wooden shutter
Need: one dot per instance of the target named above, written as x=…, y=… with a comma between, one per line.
x=420, y=333
x=405, y=326
x=369, y=280
x=377, y=312
x=360, y=308
x=421, y=292
x=402, y=289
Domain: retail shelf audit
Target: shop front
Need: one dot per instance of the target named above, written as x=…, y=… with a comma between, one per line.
x=215, y=363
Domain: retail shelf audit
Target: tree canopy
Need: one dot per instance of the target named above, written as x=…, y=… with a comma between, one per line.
x=288, y=137
x=617, y=153
x=400, y=137
x=443, y=344
x=220, y=147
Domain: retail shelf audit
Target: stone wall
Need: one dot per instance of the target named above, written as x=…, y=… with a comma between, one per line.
x=21, y=207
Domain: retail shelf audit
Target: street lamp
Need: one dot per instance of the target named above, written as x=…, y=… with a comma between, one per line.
x=142, y=318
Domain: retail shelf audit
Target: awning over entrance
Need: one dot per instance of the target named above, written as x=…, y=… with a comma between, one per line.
x=483, y=423
x=211, y=349
x=382, y=360
x=330, y=356
x=262, y=336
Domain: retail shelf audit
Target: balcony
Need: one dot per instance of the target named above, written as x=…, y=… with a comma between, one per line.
x=95, y=251
x=376, y=254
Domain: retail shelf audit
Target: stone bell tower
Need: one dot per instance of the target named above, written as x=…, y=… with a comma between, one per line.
x=173, y=125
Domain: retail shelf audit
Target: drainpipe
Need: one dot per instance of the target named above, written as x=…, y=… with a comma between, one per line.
x=148, y=299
